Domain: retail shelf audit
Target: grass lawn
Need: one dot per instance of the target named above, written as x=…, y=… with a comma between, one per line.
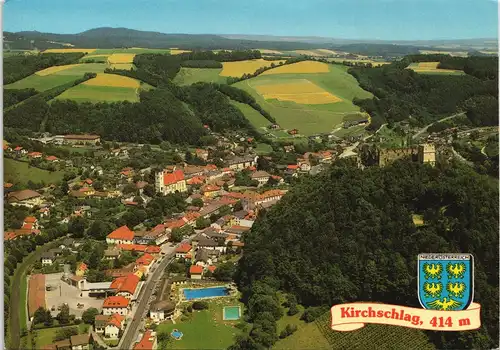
x=254, y=117
x=188, y=76
x=46, y=336
x=263, y=148
x=20, y=172
x=205, y=329
x=92, y=93
x=310, y=119
x=112, y=342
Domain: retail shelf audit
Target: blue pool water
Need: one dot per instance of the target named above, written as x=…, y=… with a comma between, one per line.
x=176, y=334
x=232, y=313
x=211, y=292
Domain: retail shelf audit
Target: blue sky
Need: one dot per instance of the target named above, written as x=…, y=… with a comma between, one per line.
x=353, y=19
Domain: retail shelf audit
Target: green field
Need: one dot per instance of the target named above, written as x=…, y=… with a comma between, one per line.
x=42, y=83
x=188, y=76
x=46, y=336
x=204, y=329
x=415, y=68
x=20, y=172
x=90, y=93
x=318, y=335
x=257, y=119
x=310, y=119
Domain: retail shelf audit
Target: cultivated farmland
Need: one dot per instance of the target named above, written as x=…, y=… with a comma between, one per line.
x=55, y=76
x=238, y=68
x=188, y=76
x=299, y=91
x=178, y=52
x=113, y=80
x=105, y=88
x=303, y=67
x=432, y=68
x=69, y=50
x=121, y=58
x=308, y=118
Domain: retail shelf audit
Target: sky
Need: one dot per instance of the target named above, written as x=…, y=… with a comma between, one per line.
x=348, y=19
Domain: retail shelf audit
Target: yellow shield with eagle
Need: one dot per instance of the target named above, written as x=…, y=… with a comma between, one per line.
x=445, y=281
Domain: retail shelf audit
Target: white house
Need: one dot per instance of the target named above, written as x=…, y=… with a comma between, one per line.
x=114, y=325
x=116, y=305
x=48, y=258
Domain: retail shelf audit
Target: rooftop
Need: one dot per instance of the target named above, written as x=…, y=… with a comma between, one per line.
x=115, y=301
x=123, y=233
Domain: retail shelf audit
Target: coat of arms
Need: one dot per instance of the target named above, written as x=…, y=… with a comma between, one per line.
x=445, y=281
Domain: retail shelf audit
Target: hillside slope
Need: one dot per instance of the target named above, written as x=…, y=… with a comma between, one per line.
x=347, y=235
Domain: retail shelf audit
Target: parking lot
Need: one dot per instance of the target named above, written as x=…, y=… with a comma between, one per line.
x=65, y=293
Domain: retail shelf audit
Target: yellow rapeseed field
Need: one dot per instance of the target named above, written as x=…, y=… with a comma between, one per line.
x=121, y=58
x=177, y=52
x=112, y=80
x=299, y=91
x=69, y=50
x=237, y=69
x=55, y=69
x=300, y=67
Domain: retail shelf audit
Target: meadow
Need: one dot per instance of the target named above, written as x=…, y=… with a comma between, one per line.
x=89, y=93
x=21, y=172
x=55, y=76
x=188, y=76
x=309, y=118
x=238, y=68
x=254, y=117
x=300, y=91
x=431, y=68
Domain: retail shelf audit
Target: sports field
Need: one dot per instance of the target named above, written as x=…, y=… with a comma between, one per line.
x=188, y=76
x=238, y=68
x=54, y=76
x=432, y=68
x=306, y=117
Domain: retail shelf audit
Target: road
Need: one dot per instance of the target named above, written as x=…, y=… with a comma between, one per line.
x=130, y=334
x=132, y=329
x=437, y=121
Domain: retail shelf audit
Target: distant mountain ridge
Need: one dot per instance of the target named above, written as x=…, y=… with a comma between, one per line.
x=107, y=37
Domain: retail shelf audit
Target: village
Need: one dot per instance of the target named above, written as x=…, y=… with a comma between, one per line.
x=131, y=243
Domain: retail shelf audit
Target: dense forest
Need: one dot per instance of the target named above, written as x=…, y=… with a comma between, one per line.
x=108, y=38
x=19, y=66
x=401, y=93
x=12, y=97
x=347, y=235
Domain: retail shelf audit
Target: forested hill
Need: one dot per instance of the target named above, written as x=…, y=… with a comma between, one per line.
x=401, y=92
x=108, y=38
x=347, y=235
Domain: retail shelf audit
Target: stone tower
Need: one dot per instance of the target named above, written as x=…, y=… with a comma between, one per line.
x=159, y=181
x=427, y=154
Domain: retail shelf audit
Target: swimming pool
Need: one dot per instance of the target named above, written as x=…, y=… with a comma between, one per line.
x=200, y=293
x=232, y=313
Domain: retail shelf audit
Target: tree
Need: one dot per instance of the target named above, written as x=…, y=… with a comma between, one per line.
x=197, y=202
x=39, y=315
x=202, y=223
x=89, y=315
x=65, y=333
x=63, y=316
x=200, y=305
x=177, y=235
x=99, y=230
x=225, y=272
x=77, y=226
x=149, y=190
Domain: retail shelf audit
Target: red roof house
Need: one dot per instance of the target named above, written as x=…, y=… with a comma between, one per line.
x=115, y=302
x=120, y=235
x=147, y=342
